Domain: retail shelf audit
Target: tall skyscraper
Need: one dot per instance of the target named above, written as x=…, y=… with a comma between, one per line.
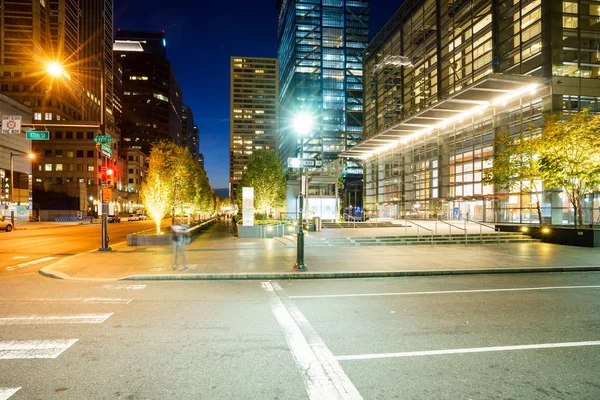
x=320, y=71
x=152, y=99
x=253, y=112
x=190, y=132
x=77, y=35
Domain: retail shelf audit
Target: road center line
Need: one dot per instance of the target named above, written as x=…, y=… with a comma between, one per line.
x=324, y=296
x=18, y=349
x=56, y=319
x=86, y=300
x=465, y=351
x=5, y=393
x=323, y=376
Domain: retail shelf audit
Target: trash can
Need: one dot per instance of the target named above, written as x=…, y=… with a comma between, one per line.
x=317, y=224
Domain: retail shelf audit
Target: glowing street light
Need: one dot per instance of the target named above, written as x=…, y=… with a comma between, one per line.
x=54, y=69
x=303, y=124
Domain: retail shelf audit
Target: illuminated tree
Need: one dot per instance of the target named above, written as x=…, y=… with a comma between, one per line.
x=156, y=190
x=265, y=173
x=516, y=165
x=571, y=156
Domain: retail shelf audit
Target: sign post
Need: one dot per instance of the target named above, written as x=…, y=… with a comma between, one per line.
x=248, y=206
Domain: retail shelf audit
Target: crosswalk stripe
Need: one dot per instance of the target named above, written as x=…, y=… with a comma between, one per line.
x=5, y=393
x=28, y=263
x=129, y=287
x=86, y=300
x=56, y=319
x=18, y=349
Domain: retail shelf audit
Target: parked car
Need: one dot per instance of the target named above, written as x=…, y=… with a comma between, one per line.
x=4, y=224
x=133, y=217
x=114, y=218
x=141, y=217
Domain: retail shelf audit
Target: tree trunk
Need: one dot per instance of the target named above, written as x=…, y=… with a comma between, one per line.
x=575, y=213
x=580, y=213
x=539, y=210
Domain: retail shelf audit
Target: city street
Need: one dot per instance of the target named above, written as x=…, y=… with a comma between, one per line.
x=520, y=336
x=29, y=247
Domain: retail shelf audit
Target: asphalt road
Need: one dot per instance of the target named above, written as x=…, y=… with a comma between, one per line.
x=519, y=336
x=25, y=251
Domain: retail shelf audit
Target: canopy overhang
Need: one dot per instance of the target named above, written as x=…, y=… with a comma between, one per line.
x=495, y=90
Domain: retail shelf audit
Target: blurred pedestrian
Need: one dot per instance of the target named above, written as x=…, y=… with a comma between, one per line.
x=179, y=239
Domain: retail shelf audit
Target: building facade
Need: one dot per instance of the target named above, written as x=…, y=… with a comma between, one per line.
x=15, y=165
x=444, y=78
x=321, y=43
x=73, y=105
x=152, y=100
x=190, y=132
x=253, y=112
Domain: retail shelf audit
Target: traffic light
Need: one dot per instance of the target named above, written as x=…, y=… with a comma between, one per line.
x=110, y=174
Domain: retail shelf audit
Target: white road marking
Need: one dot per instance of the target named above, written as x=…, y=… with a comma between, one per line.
x=18, y=257
x=465, y=351
x=127, y=287
x=86, y=300
x=324, y=296
x=17, y=349
x=28, y=263
x=323, y=376
x=56, y=319
x=6, y=393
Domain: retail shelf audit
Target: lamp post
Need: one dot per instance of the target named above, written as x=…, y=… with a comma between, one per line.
x=56, y=69
x=302, y=125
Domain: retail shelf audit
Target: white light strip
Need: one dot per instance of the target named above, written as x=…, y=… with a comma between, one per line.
x=502, y=100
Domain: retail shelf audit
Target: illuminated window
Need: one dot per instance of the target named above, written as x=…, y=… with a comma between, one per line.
x=59, y=167
x=47, y=167
x=259, y=71
x=37, y=116
x=138, y=78
x=48, y=116
x=160, y=97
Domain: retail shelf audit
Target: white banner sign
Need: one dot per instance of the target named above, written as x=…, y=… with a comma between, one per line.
x=11, y=124
x=248, y=206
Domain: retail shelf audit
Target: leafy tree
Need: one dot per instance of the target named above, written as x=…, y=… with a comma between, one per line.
x=265, y=173
x=156, y=190
x=516, y=165
x=571, y=156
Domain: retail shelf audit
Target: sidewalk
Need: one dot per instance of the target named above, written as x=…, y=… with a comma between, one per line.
x=217, y=255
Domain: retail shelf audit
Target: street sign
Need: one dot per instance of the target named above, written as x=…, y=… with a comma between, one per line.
x=103, y=139
x=106, y=150
x=37, y=135
x=301, y=162
x=106, y=194
x=11, y=124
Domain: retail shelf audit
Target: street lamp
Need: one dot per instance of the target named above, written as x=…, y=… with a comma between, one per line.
x=303, y=124
x=55, y=69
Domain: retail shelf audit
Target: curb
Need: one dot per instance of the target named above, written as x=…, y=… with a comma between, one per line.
x=49, y=272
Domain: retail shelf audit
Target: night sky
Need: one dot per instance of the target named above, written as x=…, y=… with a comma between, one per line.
x=201, y=36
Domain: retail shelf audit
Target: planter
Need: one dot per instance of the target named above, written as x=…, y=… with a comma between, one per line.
x=584, y=237
x=264, y=231
x=148, y=239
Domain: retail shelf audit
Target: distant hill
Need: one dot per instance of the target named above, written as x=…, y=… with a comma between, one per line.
x=222, y=193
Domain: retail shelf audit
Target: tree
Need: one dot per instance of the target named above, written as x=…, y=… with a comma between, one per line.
x=265, y=173
x=516, y=165
x=156, y=190
x=571, y=156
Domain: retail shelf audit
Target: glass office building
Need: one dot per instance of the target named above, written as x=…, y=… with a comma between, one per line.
x=321, y=45
x=443, y=78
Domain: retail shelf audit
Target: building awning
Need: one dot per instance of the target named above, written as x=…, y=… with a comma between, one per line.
x=491, y=91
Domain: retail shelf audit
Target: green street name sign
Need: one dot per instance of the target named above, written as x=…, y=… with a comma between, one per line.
x=103, y=139
x=37, y=135
x=106, y=148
